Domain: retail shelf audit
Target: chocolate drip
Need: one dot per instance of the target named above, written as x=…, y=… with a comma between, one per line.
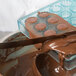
x=61, y=58
x=69, y=42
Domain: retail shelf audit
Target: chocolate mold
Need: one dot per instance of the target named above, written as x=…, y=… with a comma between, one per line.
x=46, y=24
x=47, y=21
x=63, y=8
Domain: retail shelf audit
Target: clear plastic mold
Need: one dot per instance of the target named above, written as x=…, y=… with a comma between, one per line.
x=64, y=8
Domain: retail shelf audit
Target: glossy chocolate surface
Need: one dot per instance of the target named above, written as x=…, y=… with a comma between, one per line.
x=38, y=65
x=64, y=46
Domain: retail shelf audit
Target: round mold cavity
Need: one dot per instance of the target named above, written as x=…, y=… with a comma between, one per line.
x=43, y=14
x=73, y=15
x=52, y=20
x=73, y=21
x=65, y=8
x=66, y=14
x=73, y=8
x=62, y=27
x=56, y=8
x=66, y=2
x=49, y=33
x=73, y=3
x=40, y=26
x=31, y=20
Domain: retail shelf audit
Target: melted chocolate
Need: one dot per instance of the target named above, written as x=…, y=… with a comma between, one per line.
x=44, y=66
x=41, y=64
x=24, y=66
x=64, y=46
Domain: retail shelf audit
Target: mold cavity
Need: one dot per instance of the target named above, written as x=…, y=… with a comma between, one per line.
x=73, y=9
x=65, y=14
x=66, y=3
x=73, y=21
x=56, y=8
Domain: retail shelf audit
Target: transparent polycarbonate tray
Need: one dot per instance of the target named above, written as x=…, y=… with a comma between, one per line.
x=64, y=8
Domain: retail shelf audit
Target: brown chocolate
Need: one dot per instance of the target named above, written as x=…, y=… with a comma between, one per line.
x=49, y=33
x=31, y=20
x=36, y=45
x=64, y=46
x=24, y=67
x=61, y=59
x=62, y=27
x=40, y=63
x=40, y=26
x=43, y=14
x=52, y=20
x=36, y=64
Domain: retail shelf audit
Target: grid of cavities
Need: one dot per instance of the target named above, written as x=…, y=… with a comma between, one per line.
x=46, y=24
x=65, y=9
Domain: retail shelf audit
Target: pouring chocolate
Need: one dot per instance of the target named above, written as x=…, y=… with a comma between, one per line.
x=42, y=63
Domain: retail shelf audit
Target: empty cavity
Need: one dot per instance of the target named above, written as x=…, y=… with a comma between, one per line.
x=65, y=14
x=56, y=8
x=73, y=21
x=66, y=3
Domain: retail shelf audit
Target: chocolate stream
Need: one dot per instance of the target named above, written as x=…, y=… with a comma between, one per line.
x=33, y=41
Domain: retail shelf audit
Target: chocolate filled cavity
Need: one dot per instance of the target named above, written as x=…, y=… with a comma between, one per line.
x=62, y=27
x=40, y=26
x=43, y=14
x=52, y=20
x=31, y=20
x=49, y=33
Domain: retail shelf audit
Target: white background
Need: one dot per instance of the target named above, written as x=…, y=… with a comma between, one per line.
x=11, y=10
